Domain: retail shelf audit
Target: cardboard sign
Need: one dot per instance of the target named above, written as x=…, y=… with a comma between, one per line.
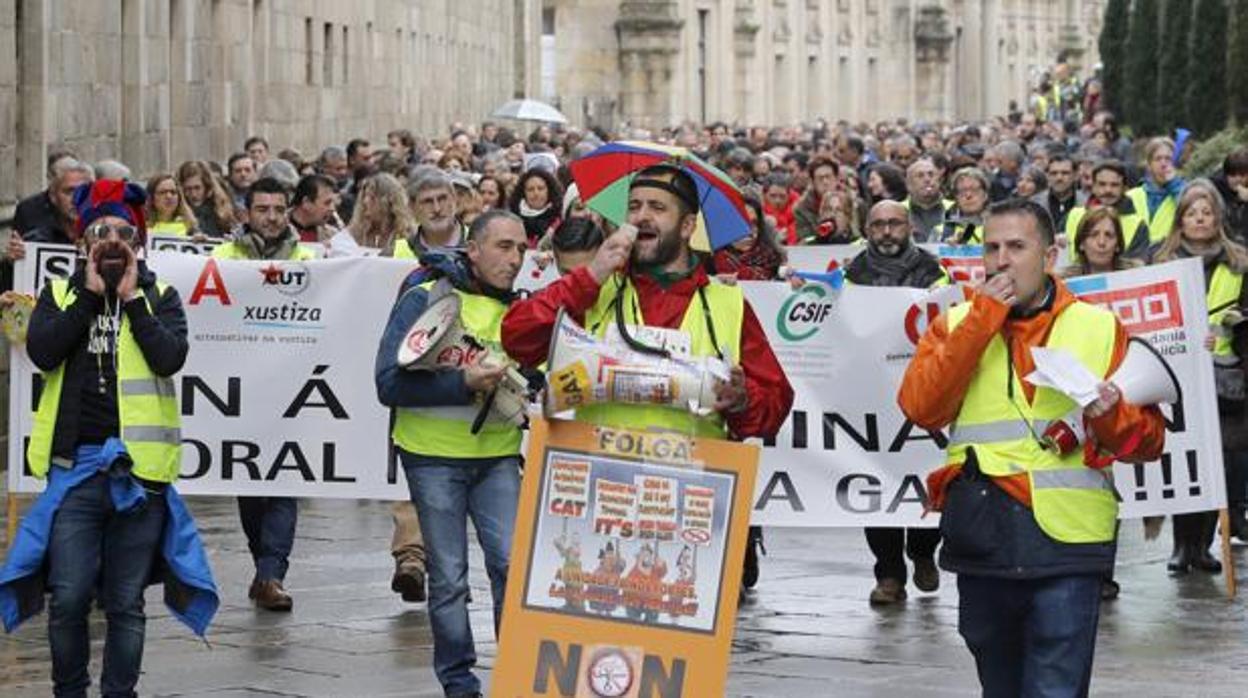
x=596, y=608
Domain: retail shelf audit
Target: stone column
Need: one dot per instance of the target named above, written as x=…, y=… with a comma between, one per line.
x=649, y=32
x=745, y=49
x=932, y=41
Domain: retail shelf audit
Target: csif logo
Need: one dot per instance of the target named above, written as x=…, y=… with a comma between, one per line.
x=804, y=313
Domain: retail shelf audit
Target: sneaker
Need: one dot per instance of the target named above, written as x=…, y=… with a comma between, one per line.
x=409, y=582
x=272, y=597
x=888, y=592
x=926, y=576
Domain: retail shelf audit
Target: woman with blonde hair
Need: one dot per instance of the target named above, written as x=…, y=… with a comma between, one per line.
x=168, y=212
x=381, y=214
x=1158, y=195
x=1200, y=232
x=1100, y=244
x=210, y=203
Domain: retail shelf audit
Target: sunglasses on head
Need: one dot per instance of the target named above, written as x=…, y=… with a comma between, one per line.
x=100, y=231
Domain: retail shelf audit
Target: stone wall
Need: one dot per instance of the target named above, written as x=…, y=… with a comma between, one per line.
x=156, y=82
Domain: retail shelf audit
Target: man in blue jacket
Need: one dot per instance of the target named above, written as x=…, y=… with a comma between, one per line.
x=107, y=438
x=454, y=471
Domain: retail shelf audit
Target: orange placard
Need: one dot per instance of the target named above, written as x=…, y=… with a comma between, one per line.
x=625, y=566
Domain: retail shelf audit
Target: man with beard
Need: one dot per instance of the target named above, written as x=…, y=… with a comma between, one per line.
x=452, y=472
x=434, y=206
x=892, y=259
x=108, y=340
x=654, y=289
x=268, y=522
x=1109, y=190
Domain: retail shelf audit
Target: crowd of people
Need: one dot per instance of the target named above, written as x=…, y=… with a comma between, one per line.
x=1110, y=203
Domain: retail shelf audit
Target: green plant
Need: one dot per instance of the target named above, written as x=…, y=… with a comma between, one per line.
x=1208, y=154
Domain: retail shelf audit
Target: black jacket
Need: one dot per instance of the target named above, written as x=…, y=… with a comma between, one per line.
x=1236, y=209
x=60, y=336
x=922, y=269
x=35, y=211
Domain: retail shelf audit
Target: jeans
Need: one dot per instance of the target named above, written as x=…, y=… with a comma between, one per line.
x=1031, y=638
x=93, y=543
x=446, y=492
x=889, y=544
x=269, y=523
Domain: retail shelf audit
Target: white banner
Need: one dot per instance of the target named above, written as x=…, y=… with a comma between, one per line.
x=848, y=457
x=277, y=392
x=278, y=395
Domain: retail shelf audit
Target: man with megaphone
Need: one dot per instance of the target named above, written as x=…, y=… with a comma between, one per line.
x=460, y=457
x=646, y=291
x=1028, y=511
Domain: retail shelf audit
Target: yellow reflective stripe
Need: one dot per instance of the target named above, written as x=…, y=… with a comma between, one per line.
x=1070, y=479
x=165, y=435
x=989, y=432
x=135, y=387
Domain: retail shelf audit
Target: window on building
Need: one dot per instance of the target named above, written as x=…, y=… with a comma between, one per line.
x=703, y=20
x=549, y=89
x=309, y=64
x=327, y=58
x=346, y=55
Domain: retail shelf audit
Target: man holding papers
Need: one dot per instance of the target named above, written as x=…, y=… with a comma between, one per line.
x=1028, y=511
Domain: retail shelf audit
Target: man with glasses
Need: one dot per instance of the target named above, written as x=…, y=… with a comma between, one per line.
x=106, y=436
x=433, y=204
x=964, y=223
x=892, y=259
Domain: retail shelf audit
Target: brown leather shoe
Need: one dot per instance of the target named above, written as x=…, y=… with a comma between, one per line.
x=887, y=592
x=409, y=582
x=272, y=597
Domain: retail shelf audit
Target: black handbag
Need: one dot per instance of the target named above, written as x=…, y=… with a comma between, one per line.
x=970, y=520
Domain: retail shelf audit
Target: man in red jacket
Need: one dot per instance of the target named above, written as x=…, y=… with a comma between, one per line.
x=671, y=290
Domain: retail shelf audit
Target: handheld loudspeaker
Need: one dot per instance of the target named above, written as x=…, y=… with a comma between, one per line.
x=1144, y=378
x=584, y=370
x=437, y=341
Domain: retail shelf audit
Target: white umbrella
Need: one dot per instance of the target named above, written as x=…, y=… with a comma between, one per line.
x=529, y=110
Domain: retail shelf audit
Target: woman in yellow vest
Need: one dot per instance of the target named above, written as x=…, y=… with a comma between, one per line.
x=1157, y=197
x=381, y=215
x=1200, y=232
x=1100, y=245
x=168, y=212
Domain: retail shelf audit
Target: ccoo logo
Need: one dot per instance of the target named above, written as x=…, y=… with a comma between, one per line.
x=804, y=313
x=918, y=317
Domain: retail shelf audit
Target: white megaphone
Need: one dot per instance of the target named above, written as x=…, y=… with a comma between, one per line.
x=1144, y=377
x=583, y=369
x=437, y=341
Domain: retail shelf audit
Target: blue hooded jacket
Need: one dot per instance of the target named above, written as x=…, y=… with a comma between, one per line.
x=190, y=592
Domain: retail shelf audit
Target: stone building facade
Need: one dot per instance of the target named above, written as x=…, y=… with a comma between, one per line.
x=156, y=82
x=657, y=62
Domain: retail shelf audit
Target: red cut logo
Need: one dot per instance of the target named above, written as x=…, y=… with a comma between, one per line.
x=1142, y=308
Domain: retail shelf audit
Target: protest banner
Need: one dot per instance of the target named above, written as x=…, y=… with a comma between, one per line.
x=178, y=243
x=592, y=614
x=278, y=399
x=277, y=392
x=847, y=456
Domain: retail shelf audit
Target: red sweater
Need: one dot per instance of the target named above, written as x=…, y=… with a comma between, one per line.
x=528, y=324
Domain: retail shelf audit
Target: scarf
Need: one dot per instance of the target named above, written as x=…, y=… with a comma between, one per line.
x=911, y=268
x=259, y=247
x=527, y=211
x=1155, y=194
x=759, y=263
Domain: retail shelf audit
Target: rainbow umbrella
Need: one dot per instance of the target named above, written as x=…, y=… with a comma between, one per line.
x=603, y=177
